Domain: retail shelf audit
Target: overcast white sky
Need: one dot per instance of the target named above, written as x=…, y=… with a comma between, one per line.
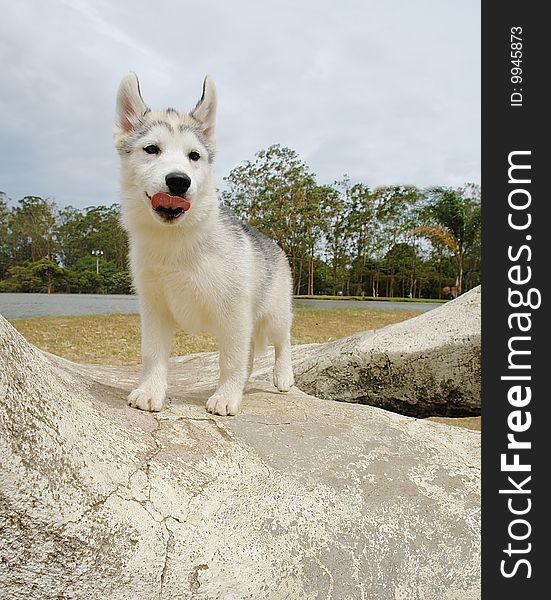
x=388, y=92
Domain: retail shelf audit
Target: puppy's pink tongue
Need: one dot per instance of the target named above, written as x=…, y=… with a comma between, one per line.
x=167, y=201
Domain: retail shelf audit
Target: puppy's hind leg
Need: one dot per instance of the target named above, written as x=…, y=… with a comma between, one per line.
x=283, y=368
x=250, y=366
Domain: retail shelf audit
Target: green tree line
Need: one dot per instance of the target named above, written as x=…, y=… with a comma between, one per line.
x=44, y=248
x=341, y=239
x=349, y=239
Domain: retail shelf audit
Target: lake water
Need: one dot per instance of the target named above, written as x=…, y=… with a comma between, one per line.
x=22, y=306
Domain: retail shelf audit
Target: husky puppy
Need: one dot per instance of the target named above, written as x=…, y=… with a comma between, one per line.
x=195, y=265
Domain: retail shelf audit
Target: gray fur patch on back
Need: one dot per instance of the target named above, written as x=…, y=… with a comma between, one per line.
x=261, y=243
x=266, y=250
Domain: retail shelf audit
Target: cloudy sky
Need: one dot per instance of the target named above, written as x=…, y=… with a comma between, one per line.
x=387, y=92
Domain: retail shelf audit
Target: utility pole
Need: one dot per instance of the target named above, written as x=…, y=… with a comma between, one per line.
x=97, y=254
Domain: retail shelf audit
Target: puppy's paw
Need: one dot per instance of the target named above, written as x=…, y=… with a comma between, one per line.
x=224, y=404
x=145, y=399
x=283, y=379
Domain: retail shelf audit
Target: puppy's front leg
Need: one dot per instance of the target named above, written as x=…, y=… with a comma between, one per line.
x=157, y=333
x=234, y=364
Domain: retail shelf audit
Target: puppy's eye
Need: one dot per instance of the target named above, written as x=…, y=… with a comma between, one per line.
x=152, y=149
x=194, y=155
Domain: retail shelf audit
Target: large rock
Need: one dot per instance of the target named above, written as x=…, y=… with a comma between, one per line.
x=425, y=366
x=295, y=498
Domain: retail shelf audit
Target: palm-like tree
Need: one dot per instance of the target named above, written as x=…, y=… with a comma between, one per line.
x=454, y=217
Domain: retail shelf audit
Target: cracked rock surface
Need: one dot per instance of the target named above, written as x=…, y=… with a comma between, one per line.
x=295, y=498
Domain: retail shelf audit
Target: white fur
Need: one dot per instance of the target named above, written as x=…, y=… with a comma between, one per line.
x=189, y=273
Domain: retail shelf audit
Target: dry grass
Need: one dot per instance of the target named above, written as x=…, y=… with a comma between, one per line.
x=99, y=339
x=326, y=325
x=115, y=339
x=474, y=423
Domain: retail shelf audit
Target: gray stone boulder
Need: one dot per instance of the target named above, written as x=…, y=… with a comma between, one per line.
x=295, y=498
x=425, y=366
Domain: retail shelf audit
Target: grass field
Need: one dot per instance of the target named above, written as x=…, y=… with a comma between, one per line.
x=115, y=339
x=370, y=298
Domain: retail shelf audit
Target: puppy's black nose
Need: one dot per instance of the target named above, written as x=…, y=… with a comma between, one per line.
x=178, y=183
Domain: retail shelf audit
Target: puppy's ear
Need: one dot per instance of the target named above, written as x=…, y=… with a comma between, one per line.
x=130, y=105
x=205, y=110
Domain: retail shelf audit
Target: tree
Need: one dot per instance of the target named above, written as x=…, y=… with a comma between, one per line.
x=360, y=225
x=396, y=211
x=317, y=201
x=48, y=272
x=109, y=280
x=120, y=282
x=275, y=193
x=337, y=213
x=32, y=226
x=4, y=235
x=94, y=228
x=456, y=220
x=39, y=276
